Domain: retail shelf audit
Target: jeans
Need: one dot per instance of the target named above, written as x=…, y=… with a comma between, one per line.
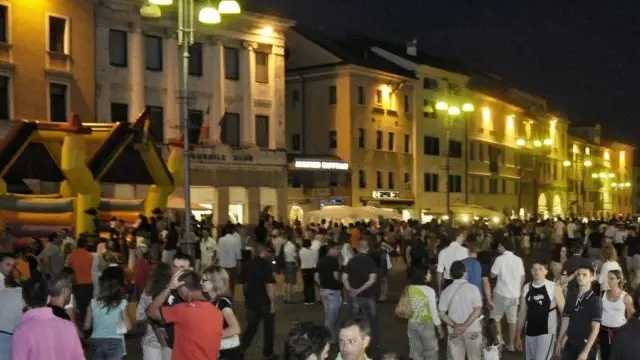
x=253, y=316
x=331, y=302
x=423, y=342
x=367, y=307
x=469, y=344
x=5, y=346
x=308, y=284
x=107, y=349
x=82, y=294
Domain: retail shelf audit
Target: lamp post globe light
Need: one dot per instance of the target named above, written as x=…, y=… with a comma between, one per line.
x=453, y=111
x=208, y=14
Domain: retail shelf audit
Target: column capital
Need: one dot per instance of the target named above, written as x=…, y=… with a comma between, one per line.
x=250, y=45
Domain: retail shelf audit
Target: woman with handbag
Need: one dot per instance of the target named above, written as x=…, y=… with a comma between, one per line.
x=107, y=317
x=419, y=305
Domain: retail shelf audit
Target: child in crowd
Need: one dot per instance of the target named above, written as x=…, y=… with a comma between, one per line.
x=491, y=350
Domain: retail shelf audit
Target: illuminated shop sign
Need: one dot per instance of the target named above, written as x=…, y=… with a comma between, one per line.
x=385, y=194
x=321, y=165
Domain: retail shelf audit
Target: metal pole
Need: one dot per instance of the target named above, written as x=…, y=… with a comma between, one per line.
x=536, y=175
x=448, y=169
x=466, y=158
x=185, y=38
x=520, y=174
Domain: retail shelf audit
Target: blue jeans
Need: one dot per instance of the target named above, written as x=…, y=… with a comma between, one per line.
x=107, y=349
x=331, y=301
x=5, y=346
x=367, y=307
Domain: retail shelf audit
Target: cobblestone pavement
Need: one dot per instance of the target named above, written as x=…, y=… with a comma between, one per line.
x=392, y=329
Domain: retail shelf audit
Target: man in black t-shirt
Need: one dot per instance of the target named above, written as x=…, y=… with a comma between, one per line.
x=580, y=320
x=359, y=278
x=180, y=261
x=327, y=277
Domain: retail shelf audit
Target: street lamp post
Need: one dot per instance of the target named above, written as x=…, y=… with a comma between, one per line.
x=186, y=34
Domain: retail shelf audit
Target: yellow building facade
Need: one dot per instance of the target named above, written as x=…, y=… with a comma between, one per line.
x=47, y=63
x=348, y=109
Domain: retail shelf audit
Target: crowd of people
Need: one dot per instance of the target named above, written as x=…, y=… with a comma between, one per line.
x=63, y=297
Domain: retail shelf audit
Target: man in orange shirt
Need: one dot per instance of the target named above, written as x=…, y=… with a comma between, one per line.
x=197, y=322
x=81, y=260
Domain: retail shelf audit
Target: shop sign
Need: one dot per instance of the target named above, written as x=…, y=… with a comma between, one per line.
x=321, y=165
x=385, y=194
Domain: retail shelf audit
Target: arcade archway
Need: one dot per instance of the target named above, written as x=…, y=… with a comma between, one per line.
x=543, y=209
x=557, y=205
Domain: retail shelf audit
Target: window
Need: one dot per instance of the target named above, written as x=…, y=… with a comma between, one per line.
x=195, y=126
x=391, y=179
x=455, y=183
x=333, y=139
x=231, y=64
x=493, y=186
x=472, y=150
x=455, y=149
x=392, y=138
x=362, y=142
x=472, y=184
x=4, y=20
x=430, y=83
x=407, y=143
x=5, y=100
x=230, y=129
x=333, y=95
x=333, y=179
x=431, y=145
x=481, y=152
x=378, y=97
x=262, y=67
x=295, y=142
x=118, y=48
x=153, y=52
x=195, y=59
x=156, y=129
x=454, y=89
x=295, y=97
x=407, y=180
x=360, y=95
x=262, y=131
x=430, y=182
x=57, y=34
x=406, y=103
x=58, y=102
x=119, y=112
x=379, y=140
x=294, y=179
x=504, y=186
x=362, y=179
x=379, y=184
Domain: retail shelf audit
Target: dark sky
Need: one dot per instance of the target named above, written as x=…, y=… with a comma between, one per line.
x=583, y=55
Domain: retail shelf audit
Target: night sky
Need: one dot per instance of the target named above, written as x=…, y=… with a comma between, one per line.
x=582, y=55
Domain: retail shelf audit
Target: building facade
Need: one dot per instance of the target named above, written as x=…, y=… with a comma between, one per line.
x=47, y=63
x=351, y=108
x=235, y=99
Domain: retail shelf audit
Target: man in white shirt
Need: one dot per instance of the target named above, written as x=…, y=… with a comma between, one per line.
x=460, y=308
x=509, y=269
x=454, y=252
x=230, y=253
x=558, y=230
x=7, y=263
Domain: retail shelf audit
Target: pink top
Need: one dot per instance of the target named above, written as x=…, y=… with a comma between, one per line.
x=43, y=336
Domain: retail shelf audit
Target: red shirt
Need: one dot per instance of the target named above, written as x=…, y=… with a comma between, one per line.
x=141, y=272
x=81, y=261
x=198, y=330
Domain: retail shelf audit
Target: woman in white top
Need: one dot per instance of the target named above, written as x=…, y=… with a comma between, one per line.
x=609, y=262
x=10, y=315
x=308, y=261
x=617, y=307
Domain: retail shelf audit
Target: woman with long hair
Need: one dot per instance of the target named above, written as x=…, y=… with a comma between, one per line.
x=617, y=307
x=608, y=263
x=307, y=341
x=215, y=282
x=154, y=346
x=107, y=318
x=558, y=259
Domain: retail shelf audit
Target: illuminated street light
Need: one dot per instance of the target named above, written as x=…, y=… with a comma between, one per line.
x=566, y=163
x=454, y=111
x=588, y=163
x=161, y=2
x=209, y=15
x=594, y=176
x=229, y=7
x=521, y=142
x=611, y=175
x=548, y=142
x=441, y=105
x=602, y=175
x=627, y=184
x=467, y=107
x=537, y=143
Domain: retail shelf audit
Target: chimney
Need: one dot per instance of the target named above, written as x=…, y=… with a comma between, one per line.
x=412, y=47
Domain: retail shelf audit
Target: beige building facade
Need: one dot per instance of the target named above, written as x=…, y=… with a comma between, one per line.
x=235, y=98
x=47, y=60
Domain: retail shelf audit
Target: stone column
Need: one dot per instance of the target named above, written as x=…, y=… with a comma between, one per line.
x=217, y=102
x=254, y=205
x=276, y=84
x=137, y=101
x=221, y=215
x=103, y=86
x=171, y=79
x=282, y=196
x=247, y=75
